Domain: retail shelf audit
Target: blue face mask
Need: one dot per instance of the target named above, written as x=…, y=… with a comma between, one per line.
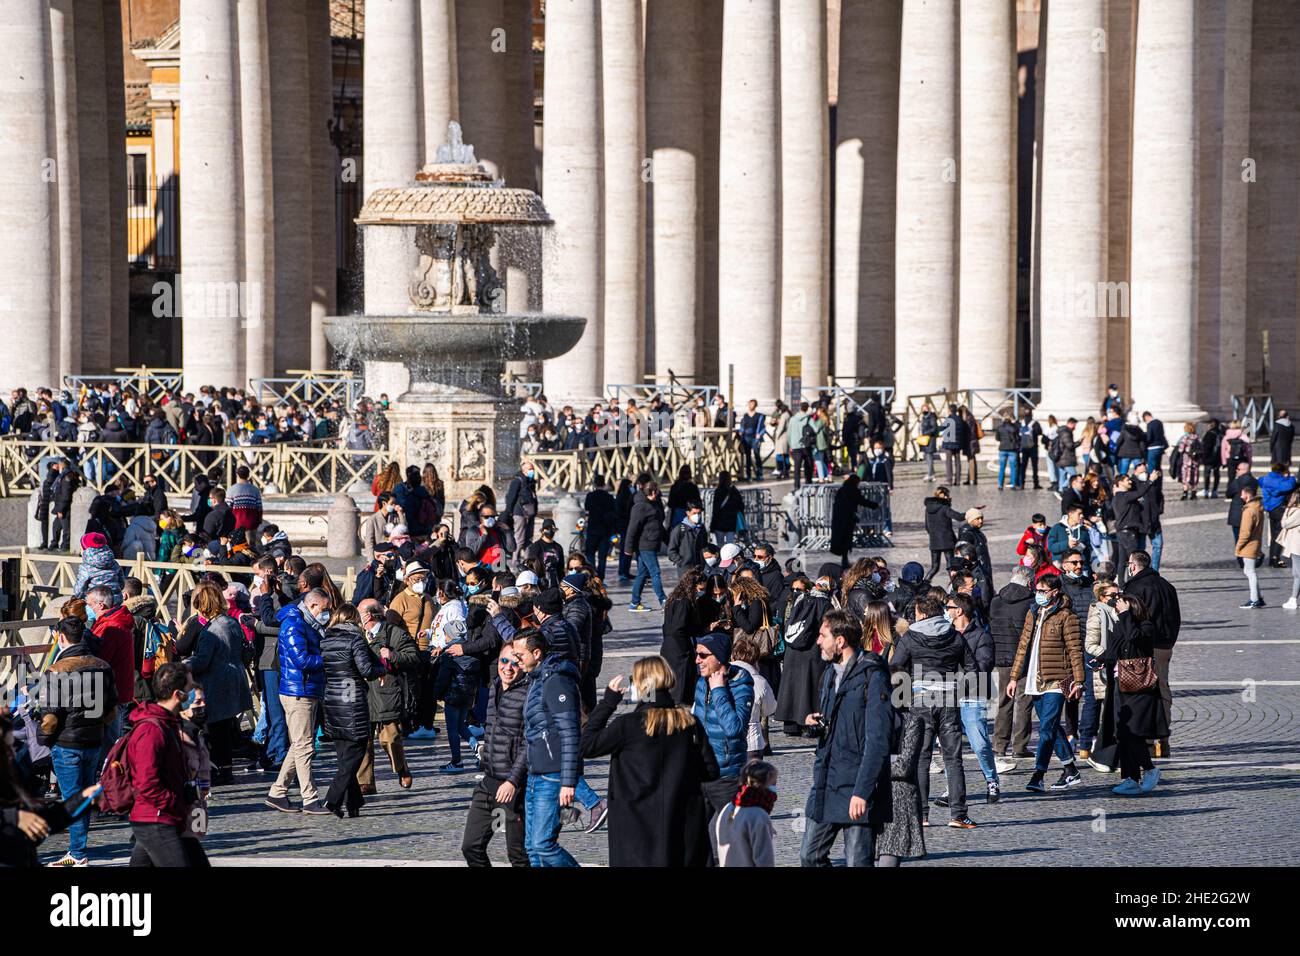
x=91, y=614
x=473, y=588
x=323, y=618
x=189, y=700
x=1041, y=599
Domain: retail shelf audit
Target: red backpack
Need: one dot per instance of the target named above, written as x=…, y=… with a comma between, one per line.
x=117, y=796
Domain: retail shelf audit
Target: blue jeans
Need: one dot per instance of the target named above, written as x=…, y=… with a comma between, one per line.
x=1089, y=713
x=457, y=721
x=1153, y=458
x=585, y=795
x=74, y=768
x=1125, y=464
x=1064, y=475
x=1007, y=458
x=859, y=843
x=277, y=728
x=542, y=822
x=974, y=720
x=647, y=566
x=1048, y=707
x=1157, y=545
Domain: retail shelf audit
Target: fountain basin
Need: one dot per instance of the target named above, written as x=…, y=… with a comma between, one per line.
x=442, y=338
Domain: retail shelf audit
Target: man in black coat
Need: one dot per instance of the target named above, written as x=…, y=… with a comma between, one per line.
x=521, y=506
x=602, y=524
x=1212, y=457
x=769, y=575
x=972, y=533
x=844, y=516
x=851, y=790
x=61, y=507
x=1242, y=479
x=45, y=498
x=1131, y=521
x=686, y=541
x=939, y=516
x=500, y=794
x=1161, y=600
x=645, y=534
x=221, y=519
x=1281, y=439
x=877, y=424
x=1006, y=620
x=547, y=552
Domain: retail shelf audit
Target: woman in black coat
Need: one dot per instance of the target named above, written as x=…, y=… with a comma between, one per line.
x=682, y=626
x=939, y=516
x=844, y=516
x=349, y=664
x=802, y=667
x=1131, y=719
x=727, y=511
x=623, y=500
x=659, y=757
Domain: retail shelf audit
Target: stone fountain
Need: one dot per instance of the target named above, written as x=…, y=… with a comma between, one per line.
x=445, y=352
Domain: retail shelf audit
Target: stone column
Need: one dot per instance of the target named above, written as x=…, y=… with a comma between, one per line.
x=1121, y=15
x=438, y=65
x=624, y=134
x=63, y=44
x=482, y=42
x=674, y=139
x=987, y=277
x=866, y=131
x=324, y=175
x=1163, y=259
x=521, y=250
x=393, y=129
x=92, y=150
x=1074, y=203
x=212, y=228
x=749, y=215
x=805, y=187
x=292, y=143
x=115, y=106
x=259, y=232
x=709, y=43
x=1223, y=119
x=572, y=186
x=1273, y=245
x=29, y=178
x=927, y=202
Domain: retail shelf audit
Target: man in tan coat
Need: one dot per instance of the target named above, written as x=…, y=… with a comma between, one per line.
x=1250, y=538
x=1049, y=659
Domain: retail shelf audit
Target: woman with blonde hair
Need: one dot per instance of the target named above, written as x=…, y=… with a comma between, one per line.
x=878, y=629
x=659, y=757
x=217, y=664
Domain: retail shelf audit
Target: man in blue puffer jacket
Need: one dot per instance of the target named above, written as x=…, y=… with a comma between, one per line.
x=552, y=728
x=302, y=686
x=724, y=697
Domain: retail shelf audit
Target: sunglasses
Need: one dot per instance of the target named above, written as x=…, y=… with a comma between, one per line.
x=702, y=655
x=508, y=662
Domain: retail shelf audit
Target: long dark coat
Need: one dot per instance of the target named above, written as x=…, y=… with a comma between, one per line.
x=218, y=666
x=681, y=628
x=1142, y=714
x=844, y=516
x=802, y=667
x=657, y=815
x=349, y=664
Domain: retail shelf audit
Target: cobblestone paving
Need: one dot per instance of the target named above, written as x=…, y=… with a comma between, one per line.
x=1229, y=796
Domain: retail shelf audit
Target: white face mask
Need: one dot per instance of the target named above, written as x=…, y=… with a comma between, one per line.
x=418, y=587
x=710, y=561
x=401, y=573
x=489, y=522
x=258, y=580
x=693, y=518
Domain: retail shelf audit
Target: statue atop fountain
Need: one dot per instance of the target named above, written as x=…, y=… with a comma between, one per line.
x=442, y=337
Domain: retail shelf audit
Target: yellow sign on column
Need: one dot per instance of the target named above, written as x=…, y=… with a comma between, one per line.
x=794, y=366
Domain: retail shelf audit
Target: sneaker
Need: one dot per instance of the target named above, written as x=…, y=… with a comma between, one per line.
x=962, y=823
x=1099, y=767
x=1068, y=779
x=280, y=803
x=638, y=608
x=451, y=768
x=1128, y=788
x=1251, y=605
x=596, y=818
x=1036, y=783
x=995, y=793
x=475, y=731
x=69, y=860
x=317, y=808
x=1003, y=765
x=941, y=801
x=1150, y=779
x=422, y=733
x=1290, y=605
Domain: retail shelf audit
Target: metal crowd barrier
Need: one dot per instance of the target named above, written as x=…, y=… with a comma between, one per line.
x=761, y=515
x=810, y=512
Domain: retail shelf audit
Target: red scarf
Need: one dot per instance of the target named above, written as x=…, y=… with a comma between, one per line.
x=751, y=796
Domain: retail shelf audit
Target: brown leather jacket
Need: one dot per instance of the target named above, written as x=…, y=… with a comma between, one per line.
x=1060, y=652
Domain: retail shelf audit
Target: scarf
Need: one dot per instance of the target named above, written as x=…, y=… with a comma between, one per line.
x=752, y=796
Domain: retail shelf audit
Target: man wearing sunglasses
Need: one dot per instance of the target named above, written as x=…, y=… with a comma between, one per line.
x=498, y=800
x=724, y=697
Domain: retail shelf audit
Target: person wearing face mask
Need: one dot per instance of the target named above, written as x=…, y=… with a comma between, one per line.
x=302, y=686
x=198, y=772
x=547, y=552
x=681, y=625
x=976, y=687
x=221, y=519
x=768, y=572
x=1049, y=660
x=378, y=579
x=521, y=506
x=803, y=666
x=686, y=542
x=490, y=541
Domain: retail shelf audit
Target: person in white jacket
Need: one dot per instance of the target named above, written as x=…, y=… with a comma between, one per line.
x=1289, y=538
x=742, y=831
x=744, y=653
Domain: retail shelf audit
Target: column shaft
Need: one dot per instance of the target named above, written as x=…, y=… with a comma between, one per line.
x=324, y=175
x=749, y=215
x=119, y=268
x=438, y=64
x=483, y=42
x=63, y=44
x=92, y=150
x=259, y=233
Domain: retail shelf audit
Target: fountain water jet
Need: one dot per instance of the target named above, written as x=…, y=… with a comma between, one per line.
x=449, y=341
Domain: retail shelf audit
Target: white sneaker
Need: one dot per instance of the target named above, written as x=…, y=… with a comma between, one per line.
x=1150, y=779
x=1099, y=767
x=69, y=860
x=1128, y=788
x=1291, y=605
x=1003, y=765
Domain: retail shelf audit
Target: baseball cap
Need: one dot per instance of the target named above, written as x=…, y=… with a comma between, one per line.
x=728, y=554
x=526, y=577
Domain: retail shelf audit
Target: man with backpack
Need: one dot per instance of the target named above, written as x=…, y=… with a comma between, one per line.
x=147, y=773
x=803, y=439
x=1030, y=434
x=1062, y=452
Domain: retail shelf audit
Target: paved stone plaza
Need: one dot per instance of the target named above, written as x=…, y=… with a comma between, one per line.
x=1228, y=796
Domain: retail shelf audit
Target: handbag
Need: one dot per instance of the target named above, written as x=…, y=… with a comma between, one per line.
x=924, y=440
x=1136, y=674
x=765, y=638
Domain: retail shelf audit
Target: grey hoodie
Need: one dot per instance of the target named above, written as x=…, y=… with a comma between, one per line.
x=931, y=645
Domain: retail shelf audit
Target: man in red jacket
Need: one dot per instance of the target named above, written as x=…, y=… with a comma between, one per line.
x=113, y=640
x=157, y=768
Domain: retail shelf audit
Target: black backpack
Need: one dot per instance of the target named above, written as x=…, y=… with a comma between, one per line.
x=809, y=436
x=1236, y=450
